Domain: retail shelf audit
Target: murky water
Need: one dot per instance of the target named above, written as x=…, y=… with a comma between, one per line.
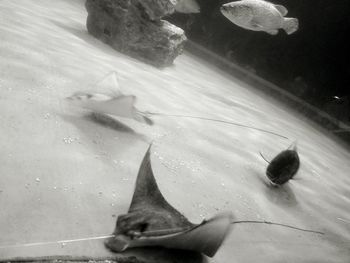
x=64, y=176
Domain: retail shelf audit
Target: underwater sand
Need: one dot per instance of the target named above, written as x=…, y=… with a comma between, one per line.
x=64, y=176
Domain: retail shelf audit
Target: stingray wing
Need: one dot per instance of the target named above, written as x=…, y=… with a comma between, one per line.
x=146, y=188
x=148, y=194
x=108, y=85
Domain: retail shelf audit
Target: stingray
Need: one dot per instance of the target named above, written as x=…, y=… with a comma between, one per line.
x=106, y=98
x=152, y=221
x=284, y=166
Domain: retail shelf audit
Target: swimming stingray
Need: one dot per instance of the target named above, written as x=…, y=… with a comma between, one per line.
x=284, y=166
x=152, y=221
x=106, y=98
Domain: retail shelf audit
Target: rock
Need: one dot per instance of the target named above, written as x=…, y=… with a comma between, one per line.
x=156, y=9
x=126, y=25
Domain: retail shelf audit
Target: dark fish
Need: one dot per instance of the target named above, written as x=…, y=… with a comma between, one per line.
x=284, y=166
x=152, y=221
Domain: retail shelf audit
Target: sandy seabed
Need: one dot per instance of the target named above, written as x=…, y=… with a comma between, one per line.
x=64, y=176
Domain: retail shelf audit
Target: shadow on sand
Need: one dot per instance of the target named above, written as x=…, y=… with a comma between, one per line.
x=101, y=120
x=282, y=195
x=133, y=255
x=109, y=122
x=160, y=255
x=105, y=135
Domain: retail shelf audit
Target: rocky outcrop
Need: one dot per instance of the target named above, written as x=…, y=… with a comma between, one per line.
x=134, y=27
x=156, y=9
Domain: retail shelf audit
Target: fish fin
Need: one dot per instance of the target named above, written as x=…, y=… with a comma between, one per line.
x=290, y=25
x=293, y=146
x=264, y=157
x=256, y=25
x=253, y=22
x=281, y=9
x=272, y=32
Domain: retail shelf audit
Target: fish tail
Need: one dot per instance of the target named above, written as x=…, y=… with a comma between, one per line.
x=293, y=146
x=290, y=25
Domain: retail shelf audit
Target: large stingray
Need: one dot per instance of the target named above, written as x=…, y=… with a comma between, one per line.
x=152, y=221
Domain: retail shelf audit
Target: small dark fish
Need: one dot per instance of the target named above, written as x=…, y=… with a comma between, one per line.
x=284, y=166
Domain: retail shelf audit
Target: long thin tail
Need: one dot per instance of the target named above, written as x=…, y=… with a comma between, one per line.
x=290, y=25
x=277, y=224
x=262, y=156
x=213, y=120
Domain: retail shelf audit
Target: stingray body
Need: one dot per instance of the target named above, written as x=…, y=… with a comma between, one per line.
x=284, y=166
x=152, y=221
x=106, y=98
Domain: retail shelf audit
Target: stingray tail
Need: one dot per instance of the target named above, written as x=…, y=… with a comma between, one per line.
x=290, y=25
x=262, y=156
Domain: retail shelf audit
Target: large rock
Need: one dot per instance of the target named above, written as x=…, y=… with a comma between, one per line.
x=129, y=28
x=156, y=9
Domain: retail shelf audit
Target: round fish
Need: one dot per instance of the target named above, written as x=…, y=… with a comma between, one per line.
x=259, y=15
x=283, y=167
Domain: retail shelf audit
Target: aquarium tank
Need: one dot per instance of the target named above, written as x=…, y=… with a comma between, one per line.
x=174, y=131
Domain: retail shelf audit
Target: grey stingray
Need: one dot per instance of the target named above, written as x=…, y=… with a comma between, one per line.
x=107, y=98
x=152, y=221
